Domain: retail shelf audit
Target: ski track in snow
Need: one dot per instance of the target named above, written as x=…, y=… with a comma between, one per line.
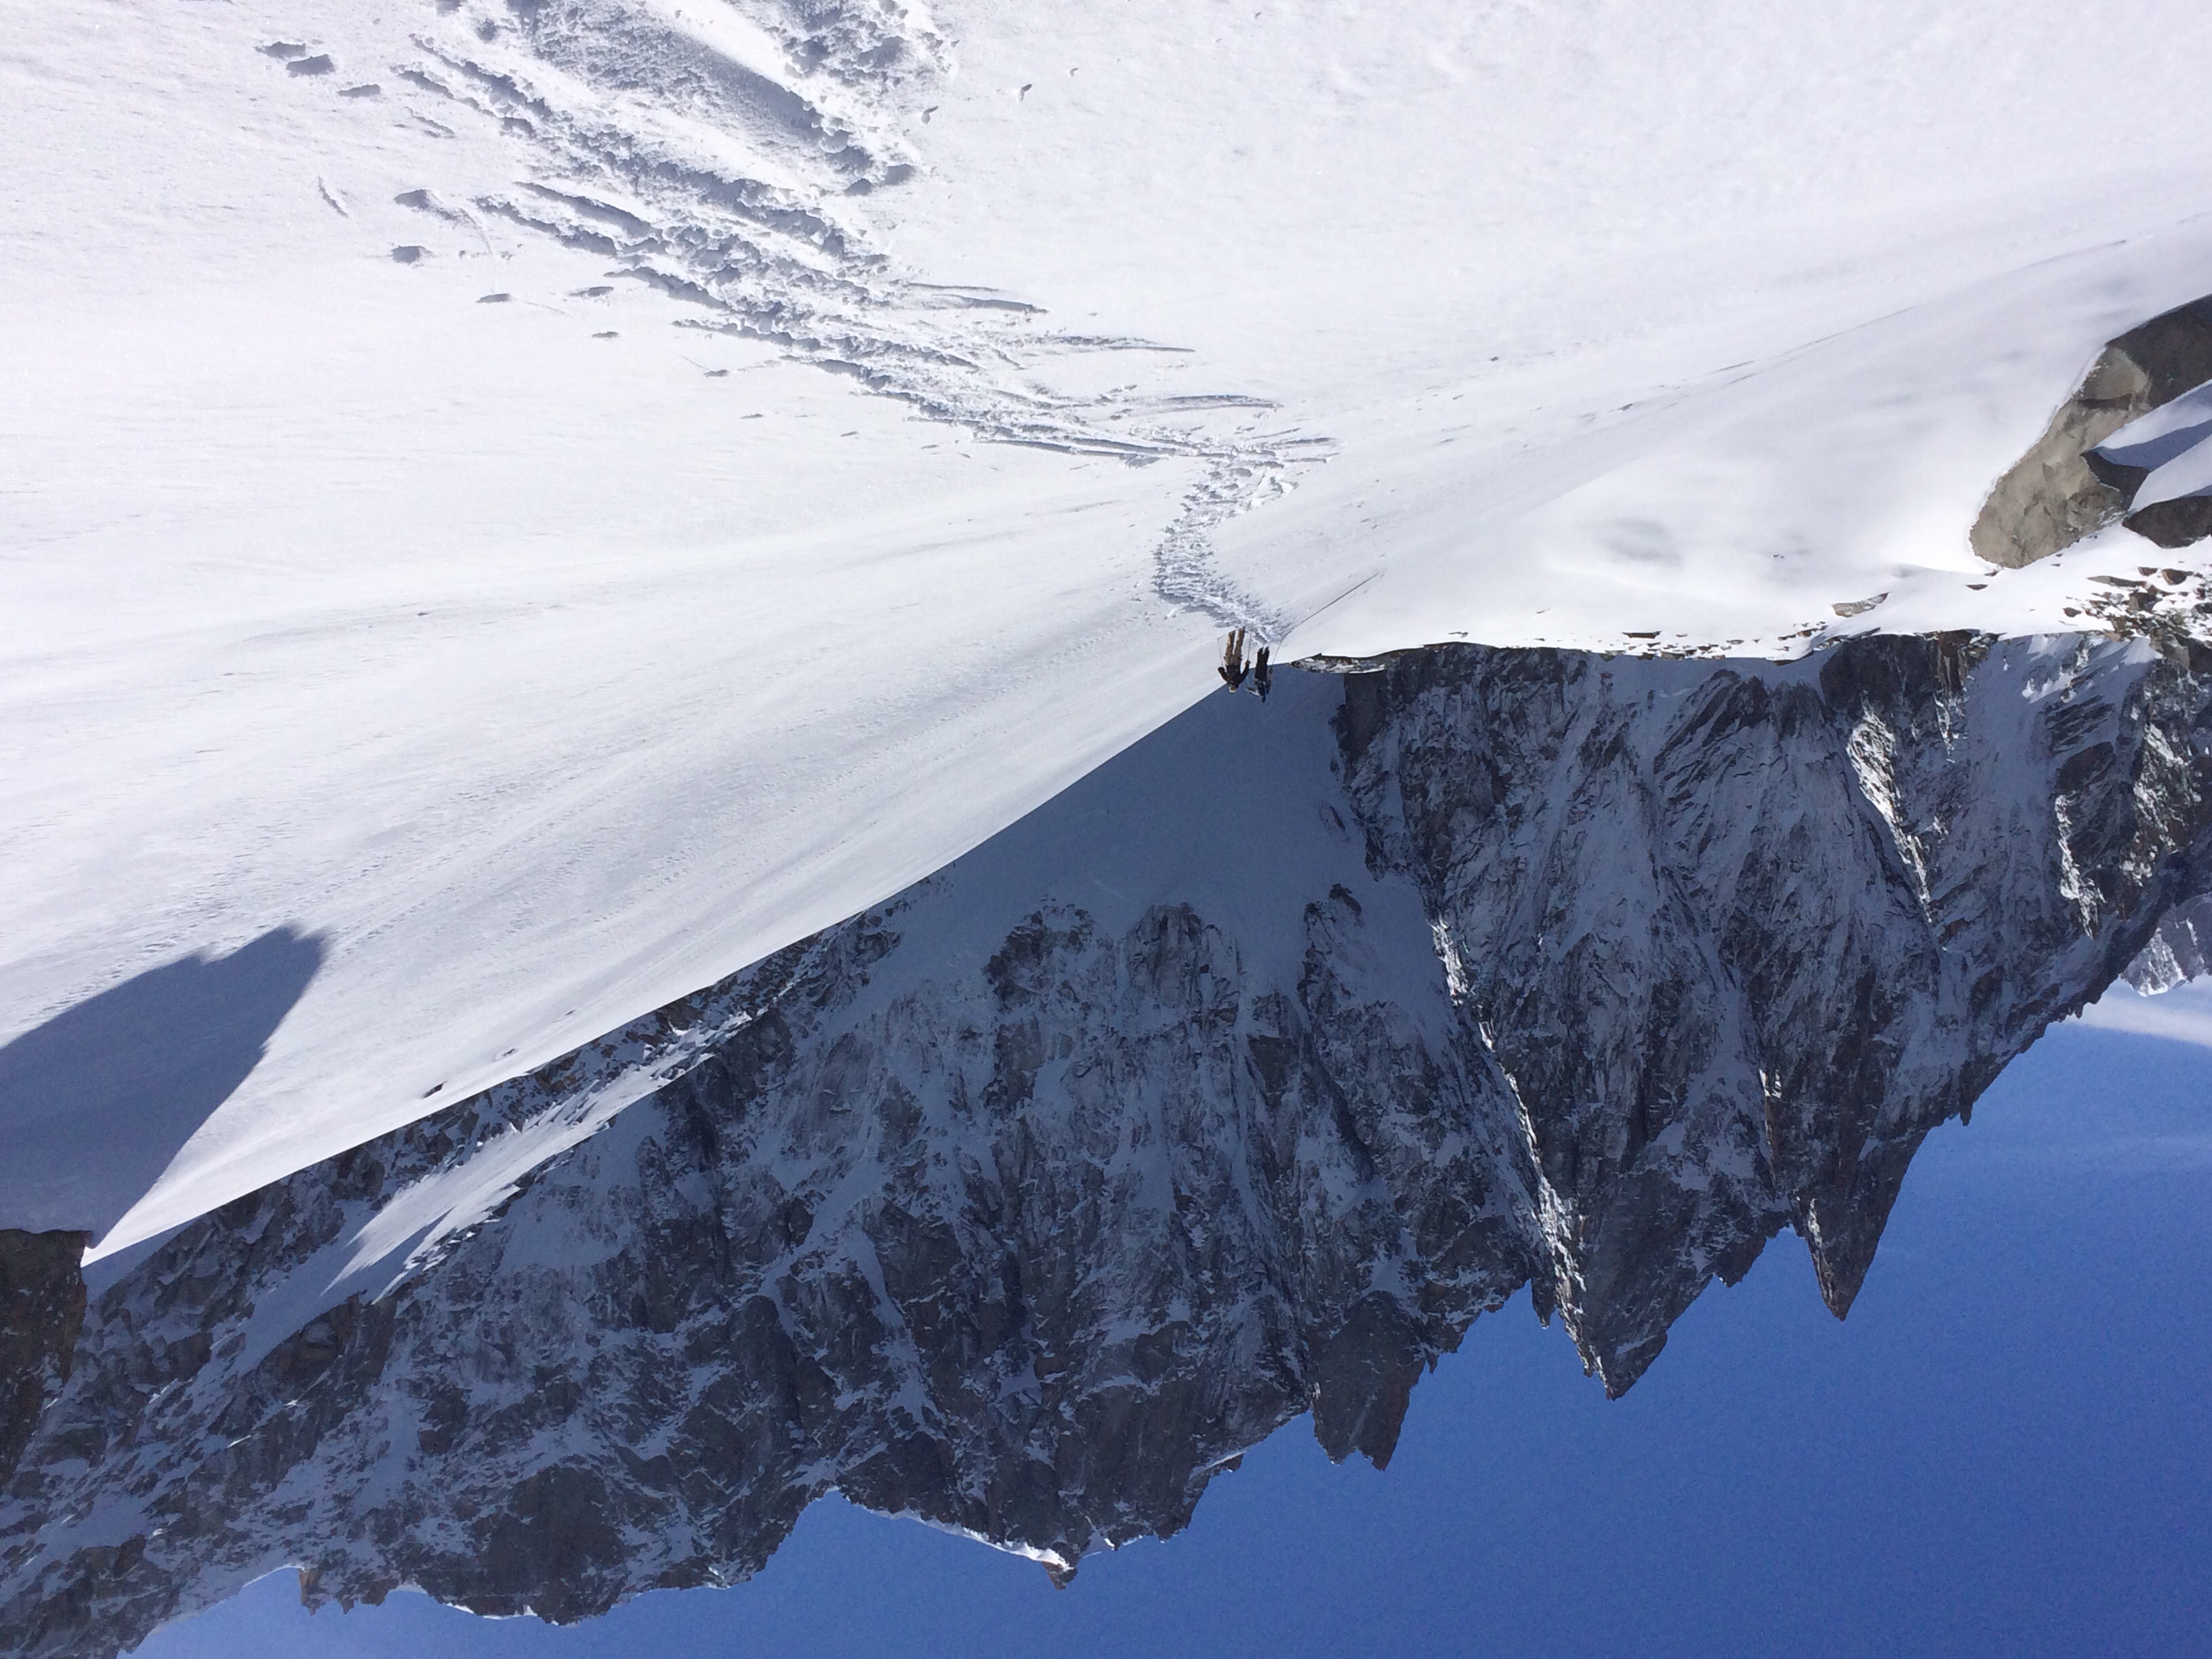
x=704, y=155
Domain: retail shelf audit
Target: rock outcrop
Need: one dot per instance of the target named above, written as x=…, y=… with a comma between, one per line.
x=2061, y=492
x=2181, y=522
x=2181, y=950
x=1232, y=1085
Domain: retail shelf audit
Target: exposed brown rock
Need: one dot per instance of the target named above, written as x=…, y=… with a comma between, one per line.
x=2059, y=492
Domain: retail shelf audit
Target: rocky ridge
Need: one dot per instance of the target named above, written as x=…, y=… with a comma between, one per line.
x=1233, y=1085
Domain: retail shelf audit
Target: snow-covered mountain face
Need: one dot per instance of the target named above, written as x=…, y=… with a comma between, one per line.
x=1234, y=1084
x=515, y=510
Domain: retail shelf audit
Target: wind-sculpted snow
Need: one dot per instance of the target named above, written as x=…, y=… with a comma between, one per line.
x=705, y=150
x=1232, y=1085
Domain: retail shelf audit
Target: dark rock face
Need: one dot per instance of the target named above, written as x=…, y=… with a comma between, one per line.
x=2059, y=492
x=2177, y=523
x=1793, y=972
x=41, y=1312
x=1028, y=1200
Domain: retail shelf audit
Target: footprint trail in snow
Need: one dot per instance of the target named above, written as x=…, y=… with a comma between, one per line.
x=705, y=152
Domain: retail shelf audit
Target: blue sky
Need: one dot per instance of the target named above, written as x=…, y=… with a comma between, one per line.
x=2006, y=1450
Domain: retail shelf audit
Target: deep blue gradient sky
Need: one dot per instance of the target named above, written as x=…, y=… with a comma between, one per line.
x=2006, y=1450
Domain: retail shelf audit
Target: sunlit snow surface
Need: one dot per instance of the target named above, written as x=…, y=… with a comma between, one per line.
x=648, y=479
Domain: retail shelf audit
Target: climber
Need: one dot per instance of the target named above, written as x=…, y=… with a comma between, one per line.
x=1232, y=660
x=1263, y=681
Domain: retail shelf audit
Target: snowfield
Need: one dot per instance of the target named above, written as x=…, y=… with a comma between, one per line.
x=511, y=511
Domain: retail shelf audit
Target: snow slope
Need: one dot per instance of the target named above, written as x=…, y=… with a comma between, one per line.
x=1698, y=319
x=543, y=676
x=649, y=478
